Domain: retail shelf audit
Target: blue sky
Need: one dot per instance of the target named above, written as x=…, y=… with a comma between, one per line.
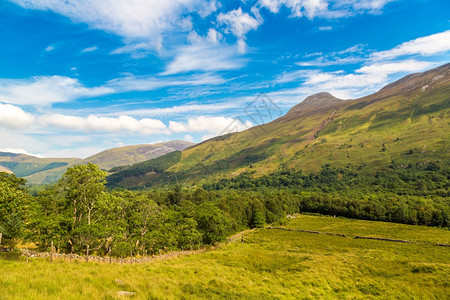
x=81, y=76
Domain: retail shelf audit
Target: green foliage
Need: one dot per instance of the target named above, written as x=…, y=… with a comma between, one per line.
x=413, y=195
x=212, y=222
x=50, y=219
x=83, y=186
x=157, y=165
x=14, y=207
x=79, y=212
x=12, y=229
x=71, y=212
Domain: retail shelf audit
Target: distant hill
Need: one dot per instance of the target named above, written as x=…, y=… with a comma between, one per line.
x=129, y=155
x=140, y=173
x=6, y=170
x=49, y=170
x=23, y=165
x=406, y=122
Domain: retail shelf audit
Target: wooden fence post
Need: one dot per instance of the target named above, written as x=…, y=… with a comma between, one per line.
x=1, y=238
x=110, y=262
x=51, y=252
x=87, y=253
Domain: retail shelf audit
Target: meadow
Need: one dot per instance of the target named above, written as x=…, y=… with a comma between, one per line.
x=269, y=264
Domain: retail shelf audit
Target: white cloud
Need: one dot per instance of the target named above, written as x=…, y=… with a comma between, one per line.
x=325, y=9
x=369, y=76
x=49, y=48
x=19, y=151
x=203, y=55
x=214, y=36
x=189, y=138
x=325, y=28
x=363, y=81
x=17, y=142
x=43, y=90
x=425, y=46
x=238, y=22
x=379, y=68
x=299, y=8
x=131, y=19
x=385, y=69
x=291, y=76
x=75, y=152
x=136, y=50
x=373, y=6
x=183, y=109
x=104, y=124
x=14, y=117
x=89, y=49
x=212, y=125
x=241, y=46
x=351, y=55
x=148, y=83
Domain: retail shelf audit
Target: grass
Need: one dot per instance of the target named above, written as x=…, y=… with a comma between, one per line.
x=353, y=227
x=270, y=264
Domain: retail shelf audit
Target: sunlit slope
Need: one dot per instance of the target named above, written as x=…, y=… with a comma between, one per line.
x=405, y=122
x=130, y=155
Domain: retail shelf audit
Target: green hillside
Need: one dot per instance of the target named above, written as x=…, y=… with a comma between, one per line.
x=130, y=155
x=270, y=264
x=49, y=170
x=35, y=169
x=406, y=123
x=126, y=176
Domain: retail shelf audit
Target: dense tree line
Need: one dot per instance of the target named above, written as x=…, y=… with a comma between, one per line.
x=79, y=213
x=419, y=180
x=157, y=165
x=417, y=194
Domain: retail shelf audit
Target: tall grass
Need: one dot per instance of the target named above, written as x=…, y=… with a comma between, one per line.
x=269, y=264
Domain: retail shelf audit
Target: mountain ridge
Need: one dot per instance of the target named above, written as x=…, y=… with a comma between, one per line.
x=48, y=170
x=403, y=123
x=129, y=155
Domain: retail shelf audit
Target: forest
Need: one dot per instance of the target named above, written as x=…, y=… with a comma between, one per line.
x=80, y=212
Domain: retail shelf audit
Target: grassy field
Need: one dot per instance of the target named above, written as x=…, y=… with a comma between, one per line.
x=269, y=264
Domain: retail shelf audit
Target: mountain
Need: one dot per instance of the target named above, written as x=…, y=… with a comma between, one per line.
x=314, y=102
x=28, y=166
x=129, y=155
x=406, y=122
x=49, y=170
